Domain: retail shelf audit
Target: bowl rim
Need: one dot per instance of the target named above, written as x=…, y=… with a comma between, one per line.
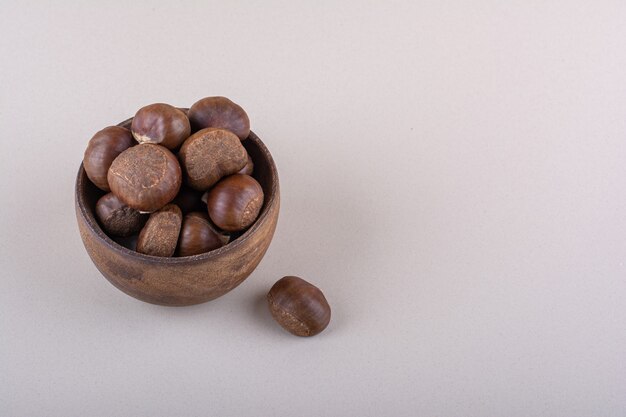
x=95, y=228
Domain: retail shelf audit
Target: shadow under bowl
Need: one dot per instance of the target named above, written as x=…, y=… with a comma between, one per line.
x=181, y=281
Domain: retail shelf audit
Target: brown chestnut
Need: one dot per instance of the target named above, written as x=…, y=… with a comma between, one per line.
x=298, y=306
x=222, y=113
x=209, y=155
x=145, y=177
x=102, y=149
x=116, y=218
x=160, y=234
x=161, y=124
x=197, y=235
x=235, y=202
x=248, y=169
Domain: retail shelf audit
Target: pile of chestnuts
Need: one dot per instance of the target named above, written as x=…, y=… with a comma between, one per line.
x=178, y=183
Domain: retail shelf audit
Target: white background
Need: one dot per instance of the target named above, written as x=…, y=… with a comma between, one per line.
x=453, y=177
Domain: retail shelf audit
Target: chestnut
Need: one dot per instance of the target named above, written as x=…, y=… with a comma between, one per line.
x=161, y=124
x=209, y=155
x=160, y=234
x=235, y=202
x=102, y=149
x=145, y=177
x=197, y=235
x=298, y=306
x=222, y=113
x=248, y=169
x=116, y=218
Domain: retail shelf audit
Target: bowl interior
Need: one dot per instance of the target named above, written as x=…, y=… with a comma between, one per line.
x=265, y=173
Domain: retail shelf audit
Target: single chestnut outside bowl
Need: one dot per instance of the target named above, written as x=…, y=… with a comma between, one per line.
x=180, y=281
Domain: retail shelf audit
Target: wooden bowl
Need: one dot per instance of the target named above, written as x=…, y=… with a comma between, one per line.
x=186, y=280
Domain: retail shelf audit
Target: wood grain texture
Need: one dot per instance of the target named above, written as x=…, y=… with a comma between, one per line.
x=187, y=280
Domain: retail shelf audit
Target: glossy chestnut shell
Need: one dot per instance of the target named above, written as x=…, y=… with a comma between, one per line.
x=222, y=113
x=102, y=149
x=161, y=124
x=235, y=202
x=197, y=235
x=298, y=306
